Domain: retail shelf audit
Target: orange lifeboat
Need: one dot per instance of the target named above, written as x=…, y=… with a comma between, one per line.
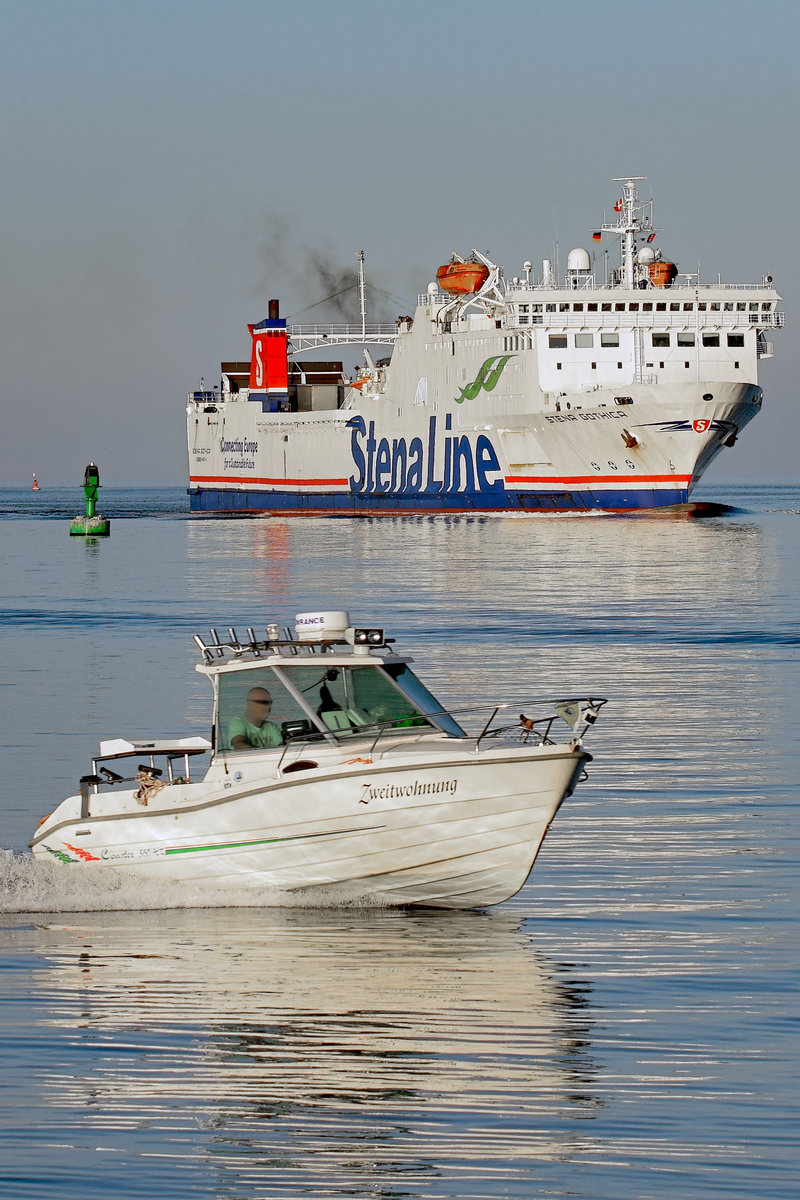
x=662, y=274
x=462, y=278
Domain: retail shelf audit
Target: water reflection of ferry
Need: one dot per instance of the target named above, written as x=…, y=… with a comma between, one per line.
x=313, y=1024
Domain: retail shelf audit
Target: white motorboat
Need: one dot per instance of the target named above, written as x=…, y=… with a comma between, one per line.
x=333, y=770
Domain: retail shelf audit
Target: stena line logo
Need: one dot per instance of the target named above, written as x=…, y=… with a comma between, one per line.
x=445, y=463
x=486, y=379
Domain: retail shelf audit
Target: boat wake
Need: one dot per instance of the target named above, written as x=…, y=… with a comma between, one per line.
x=28, y=885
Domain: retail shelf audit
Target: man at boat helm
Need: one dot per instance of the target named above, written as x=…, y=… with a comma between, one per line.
x=255, y=728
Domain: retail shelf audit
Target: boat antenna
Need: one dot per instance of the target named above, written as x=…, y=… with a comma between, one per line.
x=362, y=292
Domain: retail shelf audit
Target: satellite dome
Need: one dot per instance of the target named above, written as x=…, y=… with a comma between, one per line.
x=646, y=255
x=578, y=260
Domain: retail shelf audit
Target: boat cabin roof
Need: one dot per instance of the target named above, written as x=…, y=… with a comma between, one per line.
x=332, y=658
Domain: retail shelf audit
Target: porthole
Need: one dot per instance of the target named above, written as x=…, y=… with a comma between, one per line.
x=595, y=465
x=630, y=464
x=613, y=465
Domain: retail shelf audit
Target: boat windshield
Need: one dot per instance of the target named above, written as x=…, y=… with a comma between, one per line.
x=256, y=709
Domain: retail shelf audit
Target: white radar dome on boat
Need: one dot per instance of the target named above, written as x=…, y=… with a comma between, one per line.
x=578, y=260
x=646, y=256
x=321, y=626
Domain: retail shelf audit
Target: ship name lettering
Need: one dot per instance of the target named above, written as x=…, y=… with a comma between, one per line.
x=601, y=416
x=448, y=463
x=395, y=791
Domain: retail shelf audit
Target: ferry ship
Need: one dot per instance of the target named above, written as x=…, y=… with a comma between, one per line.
x=520, y=394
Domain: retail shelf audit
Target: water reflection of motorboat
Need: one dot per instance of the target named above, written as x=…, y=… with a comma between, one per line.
x=332, y=768
x=279, y=1028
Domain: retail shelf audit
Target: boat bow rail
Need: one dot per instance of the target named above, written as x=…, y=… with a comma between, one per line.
x=545, y=723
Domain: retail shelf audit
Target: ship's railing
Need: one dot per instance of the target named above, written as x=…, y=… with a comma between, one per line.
x=205, y=399
x=706, y=320
x=308, y=337
x=540, y=288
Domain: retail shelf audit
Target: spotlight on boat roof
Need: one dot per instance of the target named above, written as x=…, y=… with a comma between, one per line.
x=363, y=636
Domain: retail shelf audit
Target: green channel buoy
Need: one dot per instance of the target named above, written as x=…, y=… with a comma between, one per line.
x=91, y=524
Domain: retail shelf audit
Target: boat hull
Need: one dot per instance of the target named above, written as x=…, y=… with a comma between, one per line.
x=461, y=833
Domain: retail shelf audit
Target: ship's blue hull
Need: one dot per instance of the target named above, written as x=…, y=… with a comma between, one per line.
x=624, y=499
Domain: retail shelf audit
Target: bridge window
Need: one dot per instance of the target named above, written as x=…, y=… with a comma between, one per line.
x=710, y=339
x=735, y=339
x=558, y=341
x=660, y=339
x=583, y=341
x=609, y=339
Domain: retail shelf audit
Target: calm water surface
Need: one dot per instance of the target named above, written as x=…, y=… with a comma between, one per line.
x=625, y=1027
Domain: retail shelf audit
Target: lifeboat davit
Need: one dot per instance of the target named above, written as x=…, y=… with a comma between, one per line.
x=462, y=278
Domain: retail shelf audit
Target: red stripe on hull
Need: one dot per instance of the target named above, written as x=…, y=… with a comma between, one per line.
x=268, y=482
x=618, y=479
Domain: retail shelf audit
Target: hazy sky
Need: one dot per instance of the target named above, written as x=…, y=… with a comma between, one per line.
x=168, y=165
